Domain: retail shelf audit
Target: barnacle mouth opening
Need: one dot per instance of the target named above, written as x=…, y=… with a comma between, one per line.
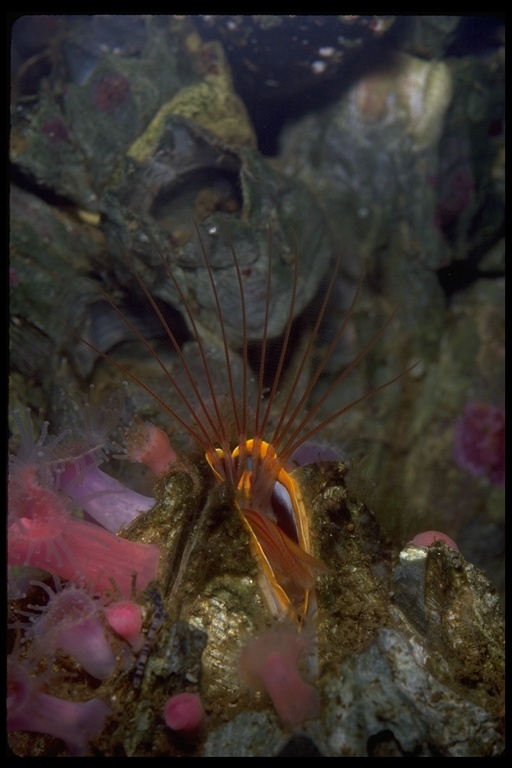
x=184, y=178
x=203, y=190
x=270, y=504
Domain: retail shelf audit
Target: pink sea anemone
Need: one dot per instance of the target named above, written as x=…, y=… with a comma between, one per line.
x=110, y=93
x=72, y=622
x=184, y=714
x=270, y=663
x=55, y=130
x=105, y=499
x=43, y=534
x=37, y=518
x=125, y=618
x=149, y=445
x=29, y=709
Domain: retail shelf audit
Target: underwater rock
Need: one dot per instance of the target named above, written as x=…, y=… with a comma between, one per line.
x=470, y=366
x=390, y=118
x=389, y=632
x=154, y=235
x=116, y=159
x=140, y=158
x=387, y=641
x=74, y=144
x=385, y=703
x=51, y=254
x=109, y=93
x=427, y=221
x=283, y=55
x=408, y=691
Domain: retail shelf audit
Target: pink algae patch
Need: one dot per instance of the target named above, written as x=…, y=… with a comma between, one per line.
x=479, y=441
x=110, y=93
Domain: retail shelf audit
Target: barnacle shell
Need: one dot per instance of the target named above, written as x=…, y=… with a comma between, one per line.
x=376, y=615
x=211, y=103
x=212, y=574
x=412, y=95
x=425, y=89
x=390, y=631
x=414, y=92
x=151, y=222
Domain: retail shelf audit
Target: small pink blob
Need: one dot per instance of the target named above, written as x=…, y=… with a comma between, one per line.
x=125, y=618
x=184, y=713
x=427, y=538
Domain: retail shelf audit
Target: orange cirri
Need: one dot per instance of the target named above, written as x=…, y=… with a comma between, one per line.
x=255, y=466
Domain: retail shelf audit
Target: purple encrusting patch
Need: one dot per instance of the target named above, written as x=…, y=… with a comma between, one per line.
x=55, y=130
x=479, y=441
x=110, y=93
x=104, y=498
x=311, y=452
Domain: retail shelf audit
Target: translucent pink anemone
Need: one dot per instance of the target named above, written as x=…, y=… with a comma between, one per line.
x=125, y=618
x=29, y=709
x=149, y=445
x=43, y=534
x=72, y=622
x=270, y=663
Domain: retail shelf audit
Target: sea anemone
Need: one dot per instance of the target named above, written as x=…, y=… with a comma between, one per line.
x=72, y=622
x=42, y=533
x=125, y=618
x=105, y=499
x=37, y=520
x=30, y=709
x=270, y=663
x=184, y=714
x=149, y=445
x=110, y=93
